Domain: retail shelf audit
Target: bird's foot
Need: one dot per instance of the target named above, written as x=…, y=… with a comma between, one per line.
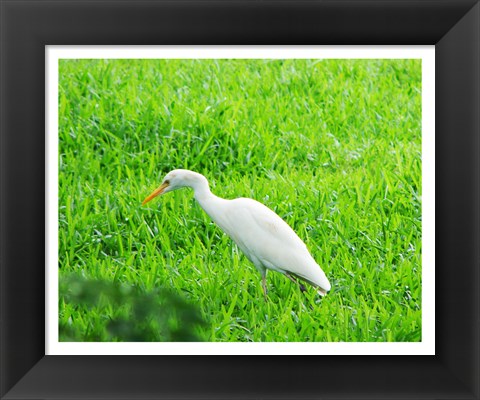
x=303, y=289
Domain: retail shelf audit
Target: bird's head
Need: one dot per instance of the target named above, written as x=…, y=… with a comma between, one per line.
x=176, y=179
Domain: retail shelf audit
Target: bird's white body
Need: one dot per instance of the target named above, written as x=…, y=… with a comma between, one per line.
x=266, y=239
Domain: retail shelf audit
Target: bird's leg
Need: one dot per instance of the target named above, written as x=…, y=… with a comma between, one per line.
x=264, y=285
x=302, y=288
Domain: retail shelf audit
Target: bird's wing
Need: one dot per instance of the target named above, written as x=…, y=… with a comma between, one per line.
x=255, y=220
x=263, y=236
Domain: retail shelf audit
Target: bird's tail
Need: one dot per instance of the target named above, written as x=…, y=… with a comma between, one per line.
x=321, y=291
x=321, y=285
x=315, y=277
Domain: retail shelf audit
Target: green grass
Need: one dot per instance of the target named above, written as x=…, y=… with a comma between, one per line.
x=332, y=146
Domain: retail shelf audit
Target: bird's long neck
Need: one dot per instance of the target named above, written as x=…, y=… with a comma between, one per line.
x=210, y=203
x=202, y=191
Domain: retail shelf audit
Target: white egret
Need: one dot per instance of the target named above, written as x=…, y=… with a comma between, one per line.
x=266, y=239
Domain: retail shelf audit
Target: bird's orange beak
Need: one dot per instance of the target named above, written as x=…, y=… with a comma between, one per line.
x=157, y=192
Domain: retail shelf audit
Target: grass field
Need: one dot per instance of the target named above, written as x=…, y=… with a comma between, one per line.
x=332, y=146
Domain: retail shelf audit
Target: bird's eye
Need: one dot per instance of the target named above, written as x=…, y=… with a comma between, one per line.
x=167, y=182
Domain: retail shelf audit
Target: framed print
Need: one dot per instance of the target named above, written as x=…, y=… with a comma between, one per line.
x=227, y=93
x=364, y=139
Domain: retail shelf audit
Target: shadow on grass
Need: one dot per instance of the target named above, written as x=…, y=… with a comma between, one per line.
x=108, y=311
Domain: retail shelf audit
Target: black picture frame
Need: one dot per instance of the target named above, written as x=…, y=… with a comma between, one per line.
x=453, y=26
